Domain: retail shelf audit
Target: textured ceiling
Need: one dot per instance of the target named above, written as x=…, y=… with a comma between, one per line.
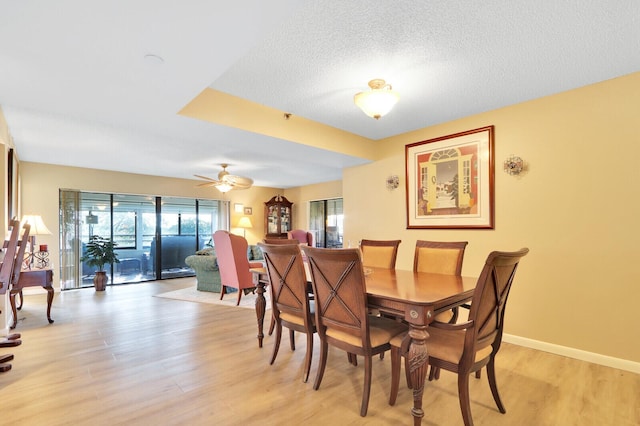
x=75, y=85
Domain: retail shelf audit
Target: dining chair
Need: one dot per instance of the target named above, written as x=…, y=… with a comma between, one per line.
x=17, y=267
x=290, y=302
x=6, y=271
x=469, y=346
x=281, y=241
x=379, y=253
x=342, y=314
x=440, y=257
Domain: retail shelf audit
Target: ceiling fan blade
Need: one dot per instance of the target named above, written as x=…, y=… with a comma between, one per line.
x=205, y=178
x=206, y=184
x=238, y=181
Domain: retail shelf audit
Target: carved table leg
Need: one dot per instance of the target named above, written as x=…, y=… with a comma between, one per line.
x=49, y=300
x=261, y=304
x=418, y=365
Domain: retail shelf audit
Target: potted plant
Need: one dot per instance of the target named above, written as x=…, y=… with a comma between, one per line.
x=100, y=252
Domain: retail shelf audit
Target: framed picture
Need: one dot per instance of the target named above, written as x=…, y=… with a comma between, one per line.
x=248, y=211
x=450, y=181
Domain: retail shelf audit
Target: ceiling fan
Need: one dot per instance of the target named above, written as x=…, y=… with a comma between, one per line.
x=226, y=182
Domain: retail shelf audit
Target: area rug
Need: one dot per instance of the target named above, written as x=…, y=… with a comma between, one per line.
x=191, y=294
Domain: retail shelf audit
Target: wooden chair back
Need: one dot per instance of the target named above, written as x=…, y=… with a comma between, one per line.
x=379, y=253
x=22, y=247
x=337, y=277
x=10, y=246
x=281, y=241
x=439, y=257
x=489, y=302
x=288, y=283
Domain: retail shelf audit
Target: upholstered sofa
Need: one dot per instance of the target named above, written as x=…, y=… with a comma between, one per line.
x=205, y=264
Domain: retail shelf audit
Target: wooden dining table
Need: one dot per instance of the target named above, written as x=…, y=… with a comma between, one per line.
x=416, y=297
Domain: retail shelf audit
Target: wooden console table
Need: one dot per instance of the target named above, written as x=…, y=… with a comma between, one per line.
x=32, y=278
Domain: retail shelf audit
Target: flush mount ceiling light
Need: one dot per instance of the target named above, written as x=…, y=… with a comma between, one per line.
x=378, y=101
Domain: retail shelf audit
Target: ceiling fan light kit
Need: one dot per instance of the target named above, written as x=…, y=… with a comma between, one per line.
x=226, y=182
x=378, y=101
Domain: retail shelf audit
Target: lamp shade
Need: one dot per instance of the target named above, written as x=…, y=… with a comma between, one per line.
x=37, y=225
x=245, y=222
x=378, y=101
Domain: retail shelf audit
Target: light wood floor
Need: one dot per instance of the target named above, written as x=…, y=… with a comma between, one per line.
x=126, y=357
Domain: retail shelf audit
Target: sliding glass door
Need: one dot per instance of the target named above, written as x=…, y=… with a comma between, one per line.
x=153, y=234
x=326, y=221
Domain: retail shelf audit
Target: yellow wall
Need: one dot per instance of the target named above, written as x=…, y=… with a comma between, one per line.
x=300, y=197
x=576, y=208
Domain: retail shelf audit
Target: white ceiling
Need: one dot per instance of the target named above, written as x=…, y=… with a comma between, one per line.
x=76, y=89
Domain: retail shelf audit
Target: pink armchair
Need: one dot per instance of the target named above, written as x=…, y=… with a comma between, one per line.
x=301, y=235
x=234, y=266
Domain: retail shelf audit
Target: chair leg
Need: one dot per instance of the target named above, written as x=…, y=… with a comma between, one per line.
x=239, y=297
x=353, y=359
x=434, y=373
x=395, y=374
x=491, y=375
x=368, y=364
x=407, y=372
x=5, y=358
x=463, y=395
x=454, y=317
x=323, y=362
x=273, y=323
x=307, y=358
x=223, y=290
x=276, y=343
x=292, y=340
x=6, y=343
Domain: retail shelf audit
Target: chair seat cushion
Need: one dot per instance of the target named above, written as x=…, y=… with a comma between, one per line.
x=296, y=319
x=381, y=330
x=446, y=345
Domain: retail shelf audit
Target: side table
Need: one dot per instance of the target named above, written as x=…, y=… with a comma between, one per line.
x=32, y=278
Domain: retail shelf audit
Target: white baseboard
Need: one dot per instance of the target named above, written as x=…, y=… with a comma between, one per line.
x=608, y=361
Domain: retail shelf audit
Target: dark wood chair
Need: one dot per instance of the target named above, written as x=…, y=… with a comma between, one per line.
x=440, y=257
x=290, y=302
x=467, y=347
x=6, y=272
x=17, y=269
x=379, y=253
x=342, y=314
x=281, y=241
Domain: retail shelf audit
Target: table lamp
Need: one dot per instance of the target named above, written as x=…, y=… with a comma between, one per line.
x=37, y=228
x=244, y=223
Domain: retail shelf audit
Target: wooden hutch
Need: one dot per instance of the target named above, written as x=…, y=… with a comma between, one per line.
x=277, y=217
